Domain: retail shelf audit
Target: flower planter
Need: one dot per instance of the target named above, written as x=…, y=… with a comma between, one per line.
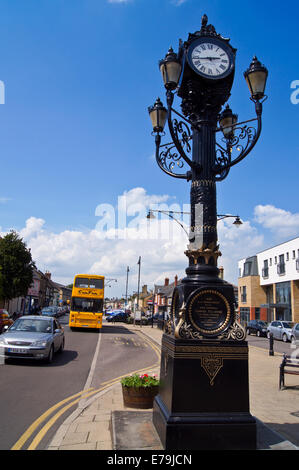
x=139, y=397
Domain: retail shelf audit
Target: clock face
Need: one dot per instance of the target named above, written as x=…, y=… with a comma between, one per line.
x=210, y=59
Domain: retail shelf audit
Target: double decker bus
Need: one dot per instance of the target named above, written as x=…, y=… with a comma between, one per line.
x=87, y=301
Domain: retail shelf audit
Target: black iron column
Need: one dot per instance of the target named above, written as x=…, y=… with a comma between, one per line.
x=204, y=394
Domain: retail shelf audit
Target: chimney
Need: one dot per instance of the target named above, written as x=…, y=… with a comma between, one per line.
x=166, y=283
x=48, y=274
x=175, y=280
x=144, y=289
x=221, y=272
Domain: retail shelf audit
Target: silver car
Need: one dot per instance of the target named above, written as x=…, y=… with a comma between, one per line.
x=295, y=334
x=32, y=337
x=280, y=330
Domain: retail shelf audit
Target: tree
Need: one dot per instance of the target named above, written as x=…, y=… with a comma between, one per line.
x=16, y=267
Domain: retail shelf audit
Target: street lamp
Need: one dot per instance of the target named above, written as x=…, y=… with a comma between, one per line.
x=151, y=216
x=170, y=68
x=227, y=121
x=158, y=115
x=108, y=281
x=256, y=77
x=204, y=334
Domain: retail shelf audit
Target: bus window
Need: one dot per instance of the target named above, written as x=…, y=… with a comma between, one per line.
x=87, y=305
x=96, y=283
x=81, y=282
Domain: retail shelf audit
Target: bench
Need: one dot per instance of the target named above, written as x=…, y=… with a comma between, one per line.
x=289, y=365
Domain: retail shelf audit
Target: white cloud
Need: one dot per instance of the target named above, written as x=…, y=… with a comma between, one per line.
x=179, y=2
x=282, y=223
x=237, y=242
x=119, y=1
x=160, y=242
x=3, y=200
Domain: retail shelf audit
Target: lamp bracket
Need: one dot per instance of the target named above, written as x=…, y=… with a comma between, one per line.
x=244, y=139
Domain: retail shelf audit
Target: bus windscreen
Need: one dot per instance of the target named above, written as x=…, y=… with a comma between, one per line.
x=80, y=304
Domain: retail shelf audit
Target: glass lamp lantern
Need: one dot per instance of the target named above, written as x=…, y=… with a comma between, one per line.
x=158, y=115
x=226, y=121
x=256, y=77
x=170, y=68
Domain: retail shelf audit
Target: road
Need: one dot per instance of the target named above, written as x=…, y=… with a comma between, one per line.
x=30, y=389
x=37, y=398
x=279, y=347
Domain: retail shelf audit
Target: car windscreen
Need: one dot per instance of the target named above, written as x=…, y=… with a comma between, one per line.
x=262, y=323
x=286, y=324
x=87, y=305
x=32, y=325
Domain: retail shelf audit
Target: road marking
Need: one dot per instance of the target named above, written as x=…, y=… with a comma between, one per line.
x=26, y=435
x=92, y=369
x=40, y=435
x=82, y=396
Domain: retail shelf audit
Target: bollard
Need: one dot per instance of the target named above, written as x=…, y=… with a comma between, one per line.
x=271, y=351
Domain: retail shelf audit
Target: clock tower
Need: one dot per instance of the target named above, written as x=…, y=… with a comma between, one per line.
x=204, y=396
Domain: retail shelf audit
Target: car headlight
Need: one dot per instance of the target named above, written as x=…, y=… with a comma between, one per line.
x=39, y=343
x=2, y=341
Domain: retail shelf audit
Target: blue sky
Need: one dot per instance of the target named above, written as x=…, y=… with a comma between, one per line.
x=75, y=132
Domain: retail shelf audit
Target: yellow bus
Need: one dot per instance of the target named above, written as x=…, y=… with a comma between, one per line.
x=87, y=301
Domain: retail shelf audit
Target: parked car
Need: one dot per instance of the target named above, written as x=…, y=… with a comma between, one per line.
x=50, y=311
x=295, y=333
x=108, y=312
x=157, y=317
x=5, y=319
x=33, y=337
x=258, y=327
x=280, y=330
x=61, y=311
x=117, y=315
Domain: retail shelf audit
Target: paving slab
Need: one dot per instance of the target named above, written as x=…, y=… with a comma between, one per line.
x=135, y=430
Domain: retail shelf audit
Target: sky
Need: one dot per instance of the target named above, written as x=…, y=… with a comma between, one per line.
x=77, y=77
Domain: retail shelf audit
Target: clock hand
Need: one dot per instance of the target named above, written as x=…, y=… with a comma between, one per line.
x=209, y=58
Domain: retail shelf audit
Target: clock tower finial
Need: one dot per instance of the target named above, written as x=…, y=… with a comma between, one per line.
x=204, y=20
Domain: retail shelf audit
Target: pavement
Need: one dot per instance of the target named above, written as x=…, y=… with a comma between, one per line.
x=96, y=422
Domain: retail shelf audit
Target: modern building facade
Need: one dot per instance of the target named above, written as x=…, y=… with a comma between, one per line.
x=268, y=284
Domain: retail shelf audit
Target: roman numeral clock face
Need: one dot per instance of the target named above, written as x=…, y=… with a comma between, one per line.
x=211, y=60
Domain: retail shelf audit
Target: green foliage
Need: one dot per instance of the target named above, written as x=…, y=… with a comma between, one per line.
x=137, y=381
x=16, y=267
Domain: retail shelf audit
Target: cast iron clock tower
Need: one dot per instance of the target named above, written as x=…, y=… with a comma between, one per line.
x=204, y=397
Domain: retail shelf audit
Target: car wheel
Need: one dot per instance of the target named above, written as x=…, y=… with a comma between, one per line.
x=51, y=354
x=258, y=333
x=284, y=338
x=61, y=349
x=248, y=331
x=293, y=341
x=268, y=334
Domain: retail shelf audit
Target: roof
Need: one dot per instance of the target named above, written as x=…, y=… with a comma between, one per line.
x=61, y=286
x=166, y=290
x=36, y=317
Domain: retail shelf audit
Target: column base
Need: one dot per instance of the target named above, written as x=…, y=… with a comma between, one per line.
x=203, y=402
x=204, y=431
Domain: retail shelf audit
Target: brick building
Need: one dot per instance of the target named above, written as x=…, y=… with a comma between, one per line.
x=268, y=284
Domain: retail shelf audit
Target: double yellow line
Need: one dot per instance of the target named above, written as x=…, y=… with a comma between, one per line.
x=69, y=402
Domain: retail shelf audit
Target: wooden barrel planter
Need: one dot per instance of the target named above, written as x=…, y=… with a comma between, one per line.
x=139, y=397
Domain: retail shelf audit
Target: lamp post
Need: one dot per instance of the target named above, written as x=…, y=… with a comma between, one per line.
x=203, y=333
x=127, y=280
x=150, y=215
